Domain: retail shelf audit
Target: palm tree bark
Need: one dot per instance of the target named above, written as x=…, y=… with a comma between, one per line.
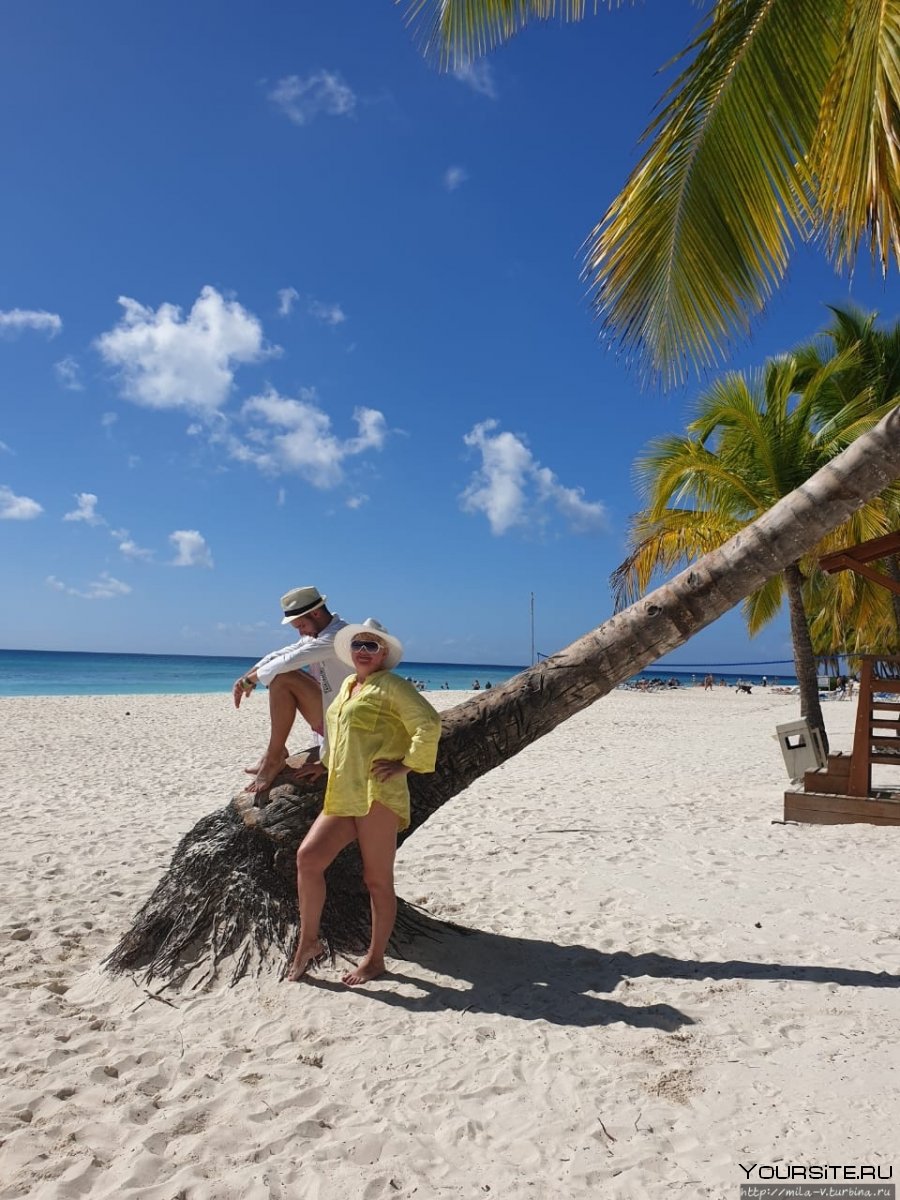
x=229, y=893
x=804, y=657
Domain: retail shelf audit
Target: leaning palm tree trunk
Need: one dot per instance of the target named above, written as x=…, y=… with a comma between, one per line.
x=229, y=893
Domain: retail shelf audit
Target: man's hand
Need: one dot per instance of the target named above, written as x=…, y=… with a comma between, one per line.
x=388, y=768
x=242, y=687
x=310, y=770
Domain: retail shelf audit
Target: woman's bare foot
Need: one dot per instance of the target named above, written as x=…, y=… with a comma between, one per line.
x=369, y=968
x=308, y=955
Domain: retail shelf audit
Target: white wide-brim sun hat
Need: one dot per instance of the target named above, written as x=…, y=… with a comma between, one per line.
x=370, y=626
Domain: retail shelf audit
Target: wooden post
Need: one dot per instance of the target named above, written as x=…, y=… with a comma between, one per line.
x=860, y=780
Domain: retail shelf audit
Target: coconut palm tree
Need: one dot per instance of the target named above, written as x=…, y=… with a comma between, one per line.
x=782, y=125
x=753, y=441
x=229, y=894
x=875, y=375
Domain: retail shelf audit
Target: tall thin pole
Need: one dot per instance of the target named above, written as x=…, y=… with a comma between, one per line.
x=532, y=628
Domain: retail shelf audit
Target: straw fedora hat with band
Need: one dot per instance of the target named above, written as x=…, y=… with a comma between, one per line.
x=300, y=601
x=371, y=628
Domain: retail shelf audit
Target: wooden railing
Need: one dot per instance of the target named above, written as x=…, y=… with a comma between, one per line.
x=876, y=738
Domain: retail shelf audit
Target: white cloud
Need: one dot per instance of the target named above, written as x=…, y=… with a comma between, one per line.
x=86, y=510
x=17, y=508
x=297, y=436
x=583, y=516
x=281, y=497
x=133, y=551
x=105, y=588
x=168, y=361
x=128, y=547
x=357, y=501
x=133, y=460
x=455, y=177
x=15, y=320
x=68, y=372
x=191, y=549
x=330, y=314
x=286, y=300
x=4, y=449
x=323, y=93
x=109, y=419
x=479, y=77
x=498, y=489
x=512, y=488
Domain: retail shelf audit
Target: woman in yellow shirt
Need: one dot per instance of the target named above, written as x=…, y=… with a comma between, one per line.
x=379, y=728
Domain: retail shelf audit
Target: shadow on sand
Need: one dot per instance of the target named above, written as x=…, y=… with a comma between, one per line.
x=566, y=985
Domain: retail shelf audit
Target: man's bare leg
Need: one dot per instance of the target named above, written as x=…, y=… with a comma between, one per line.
x=377, y=835
x=326, y=839
x=255, y=769
x=289, y=693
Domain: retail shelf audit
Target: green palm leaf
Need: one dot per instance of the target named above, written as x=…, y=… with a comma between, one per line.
x=856, y=153
x=453, y=32
x=701, y=233
x=658, y=546
x=755, y=438
x=763, y=606
x=784, y=123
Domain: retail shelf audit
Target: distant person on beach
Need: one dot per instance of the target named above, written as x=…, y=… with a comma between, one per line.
x=764, y=682
x=476, y=686
x=379, y=729
x=707, y=683
x=292, y=688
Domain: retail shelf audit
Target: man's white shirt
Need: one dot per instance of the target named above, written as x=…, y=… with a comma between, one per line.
x=316, y=653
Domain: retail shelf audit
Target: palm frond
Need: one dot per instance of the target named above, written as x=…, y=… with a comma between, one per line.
x=454, y=32
x=676, y=470
x=763, y=605
x=856, y=152
x=659, y=546
x=849, y=614
x=699, y=237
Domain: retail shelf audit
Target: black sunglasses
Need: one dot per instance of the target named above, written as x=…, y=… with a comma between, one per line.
x=372, y=647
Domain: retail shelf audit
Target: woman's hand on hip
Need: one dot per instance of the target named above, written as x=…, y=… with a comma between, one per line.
x=388, y=768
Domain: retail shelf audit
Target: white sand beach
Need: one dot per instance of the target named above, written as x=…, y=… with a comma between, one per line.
x=666, y=980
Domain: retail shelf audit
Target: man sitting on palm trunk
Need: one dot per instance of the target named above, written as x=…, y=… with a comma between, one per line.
x=303, y=677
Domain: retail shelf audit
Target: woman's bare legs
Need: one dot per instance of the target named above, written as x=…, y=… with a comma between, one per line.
x=377, y=836
x=326, y=839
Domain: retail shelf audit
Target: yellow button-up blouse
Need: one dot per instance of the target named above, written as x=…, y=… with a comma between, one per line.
x=387, y=718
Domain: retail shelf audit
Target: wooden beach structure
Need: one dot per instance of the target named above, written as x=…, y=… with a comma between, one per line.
x=841, y=792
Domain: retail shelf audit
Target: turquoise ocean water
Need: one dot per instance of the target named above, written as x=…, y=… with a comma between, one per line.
x=73, y=673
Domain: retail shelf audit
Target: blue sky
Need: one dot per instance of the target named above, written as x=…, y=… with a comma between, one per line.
x=282, y=305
